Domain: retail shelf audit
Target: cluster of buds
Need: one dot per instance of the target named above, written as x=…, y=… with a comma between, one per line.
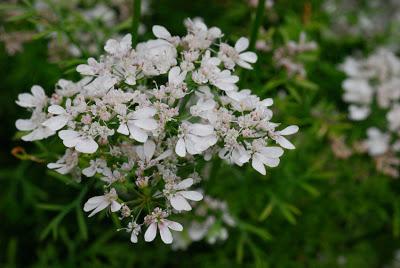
x=373, y=88
x=143, y=119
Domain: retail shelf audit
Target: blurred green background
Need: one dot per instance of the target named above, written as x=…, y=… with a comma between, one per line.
x=314, y=210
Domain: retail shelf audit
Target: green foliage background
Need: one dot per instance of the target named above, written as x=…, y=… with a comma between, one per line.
x=312, y=211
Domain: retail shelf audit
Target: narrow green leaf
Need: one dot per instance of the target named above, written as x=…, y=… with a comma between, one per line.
x=266, y=212
x=81, y=223
x=262, y=233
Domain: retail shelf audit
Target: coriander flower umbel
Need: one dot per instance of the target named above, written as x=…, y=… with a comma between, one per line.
x=143, y=118
x=372, y=88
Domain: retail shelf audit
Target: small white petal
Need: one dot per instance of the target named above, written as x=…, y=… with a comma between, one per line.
x=249, y=56
x=137, y=133
x=26, y=100
x=68, y=134
x=272, y=152
x=84, y=69
x=149, y=149
x=271, y=162
x=289, y=130
x=111, y=46
x=87, y=146
x=56, y=122
x=89, y=171
x=165, y=233
x=123, y=129
x=25, y=124
x=146, y=124
x=258, y=165
x=241, y=44
x=186, y=183
x=56, y=109
x=134, y=238
x=151, y=232
x=93, y=202
x=201, y=130
x=180, y=203
x=180, y=148
x=282, y=141
x=115, y=206
x=244, y=64
x=99, y=208
x=144, y=113
x=160, y=32
x=38, y=92
x=191, y=195
x=173, y=225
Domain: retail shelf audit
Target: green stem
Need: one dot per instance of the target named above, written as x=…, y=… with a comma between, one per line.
x=256, y=24
x=135, y=20
x=255, y=27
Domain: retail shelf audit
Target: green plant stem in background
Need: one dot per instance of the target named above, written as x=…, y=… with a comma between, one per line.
x=256, y=24
x=136, y=20
x=255, y=28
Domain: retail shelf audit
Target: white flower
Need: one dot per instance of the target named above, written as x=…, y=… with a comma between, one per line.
x=204, y=108
x=231, y=56
x=99, y=86
x=92, y=68
x=278, y=136
x=119, y=48
x=377, y=142
x=243, y=100
x=162, y=33
x=61, y=118
x=82, y=142
x=357, y=91
x=156, y=57
x=65, y=164
x=134, y=229
x=98, y=203
x=139, y=123
x=34, y=124
x=98, y=165
x=157, y=221
x=195, y=138
x=209, y=72
x=224, y=80
x=177, y=195
x=358, y=113
x=176, y=77
x=393, y=117
x=235, y=153
x=68, y=88
x=37, y=99
x=263, y=155
x=147, y=150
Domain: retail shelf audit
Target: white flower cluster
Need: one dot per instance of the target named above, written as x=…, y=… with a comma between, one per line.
x=142, y=117
x=92, y=24
x=373, y=87
x=366, y=19
x=286, y=56
x=211, y=219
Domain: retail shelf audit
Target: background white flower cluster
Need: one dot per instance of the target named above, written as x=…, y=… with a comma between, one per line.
x=143, y=119
x=91, y=23
x=373, y=88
